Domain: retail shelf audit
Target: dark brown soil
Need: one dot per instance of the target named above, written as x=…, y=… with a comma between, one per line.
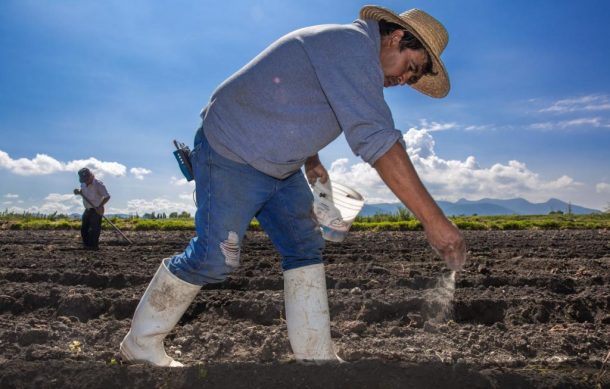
x=531, y=309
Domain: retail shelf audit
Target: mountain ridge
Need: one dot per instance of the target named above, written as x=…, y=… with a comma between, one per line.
x=489, y=207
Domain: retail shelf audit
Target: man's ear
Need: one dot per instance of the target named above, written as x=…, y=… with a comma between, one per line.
x=396, y=36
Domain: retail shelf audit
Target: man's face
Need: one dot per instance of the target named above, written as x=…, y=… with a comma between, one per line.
x=400, y=67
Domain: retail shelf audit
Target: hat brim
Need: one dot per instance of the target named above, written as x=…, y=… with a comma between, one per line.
x=434, y=85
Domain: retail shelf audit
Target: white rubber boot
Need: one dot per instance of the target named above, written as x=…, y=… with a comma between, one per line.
x=307, y=315
x=163, y=304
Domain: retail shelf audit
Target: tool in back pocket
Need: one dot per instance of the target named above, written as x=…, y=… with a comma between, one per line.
x=183, y=156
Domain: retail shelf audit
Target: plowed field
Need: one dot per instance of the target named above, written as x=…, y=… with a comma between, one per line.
x=531, y=309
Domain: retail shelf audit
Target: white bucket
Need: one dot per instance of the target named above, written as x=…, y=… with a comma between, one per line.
x=335, y=206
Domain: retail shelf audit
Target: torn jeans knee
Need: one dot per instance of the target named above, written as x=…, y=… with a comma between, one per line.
x=230, y=248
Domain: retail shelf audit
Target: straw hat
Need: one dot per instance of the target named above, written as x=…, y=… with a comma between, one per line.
x=430, y=33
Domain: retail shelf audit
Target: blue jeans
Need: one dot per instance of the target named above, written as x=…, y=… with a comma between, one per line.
x=229, y=195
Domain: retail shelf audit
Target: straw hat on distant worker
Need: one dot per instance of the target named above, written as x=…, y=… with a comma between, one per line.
x=431, y=34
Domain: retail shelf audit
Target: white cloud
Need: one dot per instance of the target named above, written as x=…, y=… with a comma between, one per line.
x=139, y=172
x=54, y=202
x=595, y=122
x=181, y=181
x=99, y=168
x=186, y=196
x=11, y=196
x=57, y=197
x=436, y=126
x=40, y=165
x=602, y=187
x=478, y=127
x=363, y=178
x=49, y=208
x=43, y=164
x=583, y=103
x=453, y=179
x=69, y=203
x=158, y=205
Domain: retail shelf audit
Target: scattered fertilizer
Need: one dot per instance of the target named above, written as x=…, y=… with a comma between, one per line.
x=439, y=299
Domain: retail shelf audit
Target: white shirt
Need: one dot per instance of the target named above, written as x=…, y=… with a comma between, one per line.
x=94, y=192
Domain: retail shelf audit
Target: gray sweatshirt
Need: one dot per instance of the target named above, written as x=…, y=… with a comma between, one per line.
x=298, y=95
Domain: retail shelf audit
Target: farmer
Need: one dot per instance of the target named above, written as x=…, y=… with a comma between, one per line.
x=94, y=191
x=259, y=128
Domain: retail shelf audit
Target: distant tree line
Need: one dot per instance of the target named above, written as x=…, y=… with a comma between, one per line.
x=33, y=215
x=163, y=215
x=58, y=216
x=401, y=214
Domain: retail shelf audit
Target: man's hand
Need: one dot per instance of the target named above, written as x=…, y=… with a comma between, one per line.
x=100, y=210
x=314, y=170
x=77, y=191
x=448, y=242
x=397, y=171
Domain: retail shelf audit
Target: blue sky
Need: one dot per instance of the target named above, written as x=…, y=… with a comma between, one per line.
x=109, y=85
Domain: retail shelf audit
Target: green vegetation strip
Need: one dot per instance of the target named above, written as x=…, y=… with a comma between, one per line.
x=404, y=222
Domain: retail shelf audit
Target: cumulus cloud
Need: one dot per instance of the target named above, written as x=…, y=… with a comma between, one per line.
x=49, y=208
x=54, y=202
x=159, y=205
x=139, y=172
x=69, y=203
x=11, y=196
x=583, y=103
x=40, y=165
x=57, y=197
x=602, y=187
x=43, y=164
x=99, y=168
x=453, y=179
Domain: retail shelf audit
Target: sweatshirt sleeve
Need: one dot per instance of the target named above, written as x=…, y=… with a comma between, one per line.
x=352, y=81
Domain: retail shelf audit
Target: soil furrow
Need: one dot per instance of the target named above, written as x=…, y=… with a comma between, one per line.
x=531, y=309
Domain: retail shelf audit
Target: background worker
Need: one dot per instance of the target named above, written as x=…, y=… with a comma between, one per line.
x=91, y=224
x=261, y=126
